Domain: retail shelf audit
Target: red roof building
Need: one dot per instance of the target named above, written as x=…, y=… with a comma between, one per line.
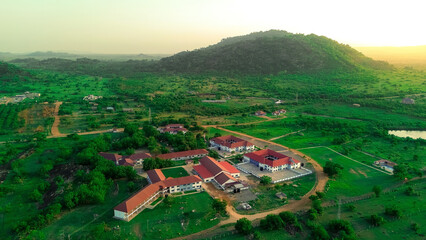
x=111, y=156
x=231, y=143
x=270, y=160
x=155, y=175
x=198, y=153
x=173, y=129
x=134, y=159
x=222, y=173
x=138, y=158
x=260, y=113
x=131, y=207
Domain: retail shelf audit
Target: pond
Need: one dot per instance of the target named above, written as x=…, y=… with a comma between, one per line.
x=411, y=134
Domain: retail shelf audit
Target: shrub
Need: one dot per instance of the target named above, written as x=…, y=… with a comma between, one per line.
x=244, y=226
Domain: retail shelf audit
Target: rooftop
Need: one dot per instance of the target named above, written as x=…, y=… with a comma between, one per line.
x=183, y=154
x=231, y=141
x=271, y=158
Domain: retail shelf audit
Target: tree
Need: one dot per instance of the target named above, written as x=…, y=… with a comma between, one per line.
x=219, y=206
x=244, y=226
x=265, y=180
x=319, y=233
x=393, y=211
x=377, y=190
x=257, y=235
x=272, y=222
x=213, y=154
x=36, y=196
x=316, y=204
x=288, y=217
x=332, y=169
x=337, y=228
x=376, y=220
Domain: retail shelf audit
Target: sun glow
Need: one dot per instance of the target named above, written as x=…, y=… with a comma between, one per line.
x=168, y=26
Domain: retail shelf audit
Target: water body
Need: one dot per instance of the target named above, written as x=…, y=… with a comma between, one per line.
x=411, y=134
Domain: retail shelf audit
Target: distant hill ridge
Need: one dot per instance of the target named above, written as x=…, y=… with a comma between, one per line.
x=271, y=52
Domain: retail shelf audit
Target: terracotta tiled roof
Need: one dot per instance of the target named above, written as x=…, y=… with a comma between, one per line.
x=281, y=159
x=131, y=203
x=231, y=141
x=138, y=198
x=203, y=172
x=170, y=182
x=176, y=130
x=126, y=162
x=183, y=154
x=223, y=178
x=137, y=156
x=156, y=175
x=212, y=165
x=231, y=169
x=111, y=156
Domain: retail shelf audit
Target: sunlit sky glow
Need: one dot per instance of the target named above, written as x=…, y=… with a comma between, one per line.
x=168, y=26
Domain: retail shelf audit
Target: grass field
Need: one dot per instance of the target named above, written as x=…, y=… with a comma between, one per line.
x=212, y=131
x=187, y=214
x=355, y=179
x=399, y=152
x=390, y=120
x=175, y=172
x=412, y=208
x=266, y=130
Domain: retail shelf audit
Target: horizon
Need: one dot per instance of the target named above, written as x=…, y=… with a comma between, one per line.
x=168, y=27
x=154, y=54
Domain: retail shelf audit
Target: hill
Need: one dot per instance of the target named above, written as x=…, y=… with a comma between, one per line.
x=271, y=52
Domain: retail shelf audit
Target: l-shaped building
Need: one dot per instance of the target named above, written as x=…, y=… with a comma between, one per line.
x=159, y=186
x=222, y=173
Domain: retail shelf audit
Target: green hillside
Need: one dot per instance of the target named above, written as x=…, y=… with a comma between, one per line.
x=271, y=52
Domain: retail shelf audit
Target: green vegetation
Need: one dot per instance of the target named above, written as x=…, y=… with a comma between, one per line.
x=175, y=172
x=55, y=188
x=355, y=179
x=271, y=52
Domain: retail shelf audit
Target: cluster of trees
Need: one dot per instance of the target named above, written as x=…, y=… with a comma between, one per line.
x=153, y=163
x=332, y=169
x=157, y=142
x=89, y=185
x=9, y=119
x=391, y=211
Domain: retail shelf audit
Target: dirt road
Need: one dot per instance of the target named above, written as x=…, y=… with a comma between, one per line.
x=55, y=126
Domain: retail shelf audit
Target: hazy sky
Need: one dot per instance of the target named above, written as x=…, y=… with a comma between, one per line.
x=170, y=26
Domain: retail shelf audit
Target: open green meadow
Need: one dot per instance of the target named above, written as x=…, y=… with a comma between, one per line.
x=266, y=130
x=355, y=179
x=412, y=208
x=388, y=119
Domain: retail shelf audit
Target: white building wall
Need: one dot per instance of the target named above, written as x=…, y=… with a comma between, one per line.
x=120, y=215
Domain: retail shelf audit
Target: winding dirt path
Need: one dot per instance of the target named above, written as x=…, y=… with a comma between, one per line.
x=55, y=126
x=294, y=205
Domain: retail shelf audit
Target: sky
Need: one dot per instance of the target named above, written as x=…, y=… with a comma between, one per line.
x=171, y=26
